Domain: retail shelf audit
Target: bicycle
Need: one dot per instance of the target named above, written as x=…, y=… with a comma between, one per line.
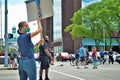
x=74, y=61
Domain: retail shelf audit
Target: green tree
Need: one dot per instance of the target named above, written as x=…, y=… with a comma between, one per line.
x=36, y=49
x=96, y=21
x=1, y=47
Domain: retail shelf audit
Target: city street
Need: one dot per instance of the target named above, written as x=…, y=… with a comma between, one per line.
x=64, y=71
x=61, y=29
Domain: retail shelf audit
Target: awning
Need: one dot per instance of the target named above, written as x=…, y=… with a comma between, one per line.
x=91, y=42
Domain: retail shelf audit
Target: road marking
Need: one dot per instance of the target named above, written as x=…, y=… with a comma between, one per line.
x=68, y=75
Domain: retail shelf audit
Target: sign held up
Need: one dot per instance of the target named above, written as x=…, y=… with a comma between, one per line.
x=46, y=9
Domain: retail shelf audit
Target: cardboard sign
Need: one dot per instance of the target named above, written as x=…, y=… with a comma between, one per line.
x=46, y=9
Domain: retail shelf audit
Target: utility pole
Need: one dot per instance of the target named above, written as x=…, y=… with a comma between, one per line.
x=1, y=24
x=5, y=36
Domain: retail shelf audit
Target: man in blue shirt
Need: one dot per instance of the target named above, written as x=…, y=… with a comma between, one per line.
x=82, y=56
x=102, y=59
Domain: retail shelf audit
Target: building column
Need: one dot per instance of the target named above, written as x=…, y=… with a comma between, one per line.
x=47, y=25
x=68, y=9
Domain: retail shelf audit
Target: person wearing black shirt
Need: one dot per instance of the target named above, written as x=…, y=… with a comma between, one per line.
x=110, y=53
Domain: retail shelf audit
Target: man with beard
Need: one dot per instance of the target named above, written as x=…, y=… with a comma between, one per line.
x=45, y=57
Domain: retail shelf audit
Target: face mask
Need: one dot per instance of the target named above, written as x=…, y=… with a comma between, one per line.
x=27, y=29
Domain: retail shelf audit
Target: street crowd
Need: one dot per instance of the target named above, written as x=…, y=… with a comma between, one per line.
x=84, y=57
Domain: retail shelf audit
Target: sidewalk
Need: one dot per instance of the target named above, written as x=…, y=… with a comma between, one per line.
x=7, y=73
x=2, y=67
x=37, y=65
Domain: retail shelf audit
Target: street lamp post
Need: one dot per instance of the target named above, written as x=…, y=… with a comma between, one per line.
x=1, y=40
x=5, y=36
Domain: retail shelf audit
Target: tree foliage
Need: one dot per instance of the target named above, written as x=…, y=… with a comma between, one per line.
x=96, y=21
x=36, y=49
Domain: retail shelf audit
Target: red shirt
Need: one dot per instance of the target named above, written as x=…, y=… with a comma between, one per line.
x=94, y=53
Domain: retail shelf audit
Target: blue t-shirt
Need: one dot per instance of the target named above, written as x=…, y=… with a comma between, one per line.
x=102, y=53
x=25, y=45
x=81, y=50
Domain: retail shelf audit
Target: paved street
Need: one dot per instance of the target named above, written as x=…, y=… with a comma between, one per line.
x=68, y=72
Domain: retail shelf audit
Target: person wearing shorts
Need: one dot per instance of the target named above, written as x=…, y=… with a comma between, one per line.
x=45, y=57
x=82, y=56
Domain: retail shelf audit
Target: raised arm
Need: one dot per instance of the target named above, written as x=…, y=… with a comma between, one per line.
x=39, y=30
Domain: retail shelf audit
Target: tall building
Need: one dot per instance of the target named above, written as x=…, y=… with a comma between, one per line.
x=68, y=9
x=57, y=21
x=64, y=10
x=48, y=28
x=57, y=26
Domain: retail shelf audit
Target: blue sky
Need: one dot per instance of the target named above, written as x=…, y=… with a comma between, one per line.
x=14, y=2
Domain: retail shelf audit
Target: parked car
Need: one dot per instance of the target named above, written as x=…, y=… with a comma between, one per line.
x=63, y=56
x=2, y=59
x=115, y=54
x=117, y=59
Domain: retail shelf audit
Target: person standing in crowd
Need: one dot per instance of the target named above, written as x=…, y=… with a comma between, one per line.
x=82, y=56
x=110, y=53
x=94, y=56
x=12, y=56
x=15, y=59
x=45, y=57
x=102, y=59
x=87, y=55
x=77, y=58
x=27, y=63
